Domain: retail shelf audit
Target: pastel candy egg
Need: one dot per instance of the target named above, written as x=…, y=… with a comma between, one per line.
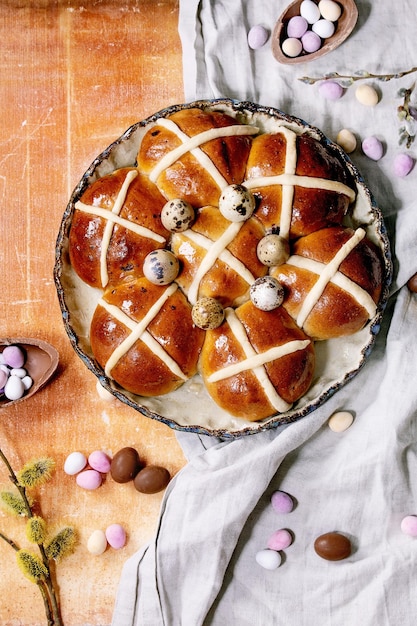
x=331, y=90
x=161, y=267
x=27, y=382
x=282, y=502
x=297, y=26
x=292, y=47
x=311, y=41
x=13, y=356
x=340, y=421
x=97, y=542
x=333, y=546
x=273, y=250
x=99, y=461
x=330, y=10
x=14, y=388
x=323, y=28
x=74, y=463
x=409, y=525
x=268, y=559
x=372, y=148
x=236, y=203
x=403, y=164
x=116, y=536
x=3, y=378
x=266, y=293
x=207, y=313
x=367, y=95
x=346, y=140
x=89, y=479
x=257, y=37
x=280, y=540
x=177, y=215
x=310, y=11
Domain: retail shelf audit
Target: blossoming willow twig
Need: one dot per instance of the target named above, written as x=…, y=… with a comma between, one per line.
x=35, y=568
x=346, y=79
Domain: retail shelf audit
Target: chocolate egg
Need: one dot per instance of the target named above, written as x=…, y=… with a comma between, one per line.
x=333, y=546
x=125, y=465
x=412, y=283
x=152, y=479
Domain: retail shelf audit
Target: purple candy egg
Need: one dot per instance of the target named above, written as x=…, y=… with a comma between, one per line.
x=257, y=37
x=297, y=26
x=311, y=41
x=331, y=90
x=372, y=148
x=13, y=356
x=403, y=164
x=282, y=502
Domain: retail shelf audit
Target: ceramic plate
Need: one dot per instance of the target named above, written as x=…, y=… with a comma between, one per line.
x=190, y=408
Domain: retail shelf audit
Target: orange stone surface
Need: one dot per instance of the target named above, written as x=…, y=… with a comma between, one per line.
x=74, y=76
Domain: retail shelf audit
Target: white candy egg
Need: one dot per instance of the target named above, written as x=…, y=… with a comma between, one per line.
x=14, y=388
x=310, y=11
x=323, y=28
x=177, y=215
x=268, y=559
x=236, y=203
x=273, y=250
x=266, y=293
x=97, y=542
x=292, y=47
x=74, y=463
x=161, y=267
x=330, y=10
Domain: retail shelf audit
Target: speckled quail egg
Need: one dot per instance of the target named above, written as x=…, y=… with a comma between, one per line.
x=236, y=203
x=161, y=267
x=266, y=293
x=207, y=313
x=177, y=215
x=273, y=250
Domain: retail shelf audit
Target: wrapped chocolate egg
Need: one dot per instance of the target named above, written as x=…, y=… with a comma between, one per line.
x=161, y=267
x=207, y=313
x=273, y=250
x=267, y=293
x=177, y=215
x=236, y=203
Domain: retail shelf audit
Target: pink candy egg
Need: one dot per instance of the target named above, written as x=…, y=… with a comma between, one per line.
x=116, y=536
x=282, y=502
x=13, y=356
x=311, y=41
x=372, y=148
x=280, y=540
x=89, y=479
x=99, y=461
x=403, y=164
x=409, y=525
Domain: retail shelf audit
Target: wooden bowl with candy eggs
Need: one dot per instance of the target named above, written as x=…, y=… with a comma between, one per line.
x=39, y=361
x=343, y=28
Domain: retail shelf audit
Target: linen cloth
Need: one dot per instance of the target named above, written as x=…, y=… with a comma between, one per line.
x=200, y=567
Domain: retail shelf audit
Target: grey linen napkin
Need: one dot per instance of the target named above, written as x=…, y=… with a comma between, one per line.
x=216, y=514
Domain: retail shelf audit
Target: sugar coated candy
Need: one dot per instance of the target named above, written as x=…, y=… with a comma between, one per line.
x=268, y=559
x=282, y=502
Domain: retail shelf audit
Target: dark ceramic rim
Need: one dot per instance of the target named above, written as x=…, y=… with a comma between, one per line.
x=243, y=107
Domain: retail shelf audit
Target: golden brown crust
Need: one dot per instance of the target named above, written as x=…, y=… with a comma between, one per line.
x=337, y=312
x=312, y=209
x=186, y=178
x=221, y=281
x=242, y=394
x=127, y=249
x=140, y=370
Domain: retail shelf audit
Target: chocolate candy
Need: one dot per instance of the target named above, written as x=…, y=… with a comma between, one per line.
x=412, y=283
x=152, y=479
x=333, y=546
x=125, y=465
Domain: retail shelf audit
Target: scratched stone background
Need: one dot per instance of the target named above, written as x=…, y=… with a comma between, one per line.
x=73, y=77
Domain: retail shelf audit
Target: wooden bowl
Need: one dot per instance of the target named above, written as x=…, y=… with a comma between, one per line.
x=41, y=362
x=344, y=27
